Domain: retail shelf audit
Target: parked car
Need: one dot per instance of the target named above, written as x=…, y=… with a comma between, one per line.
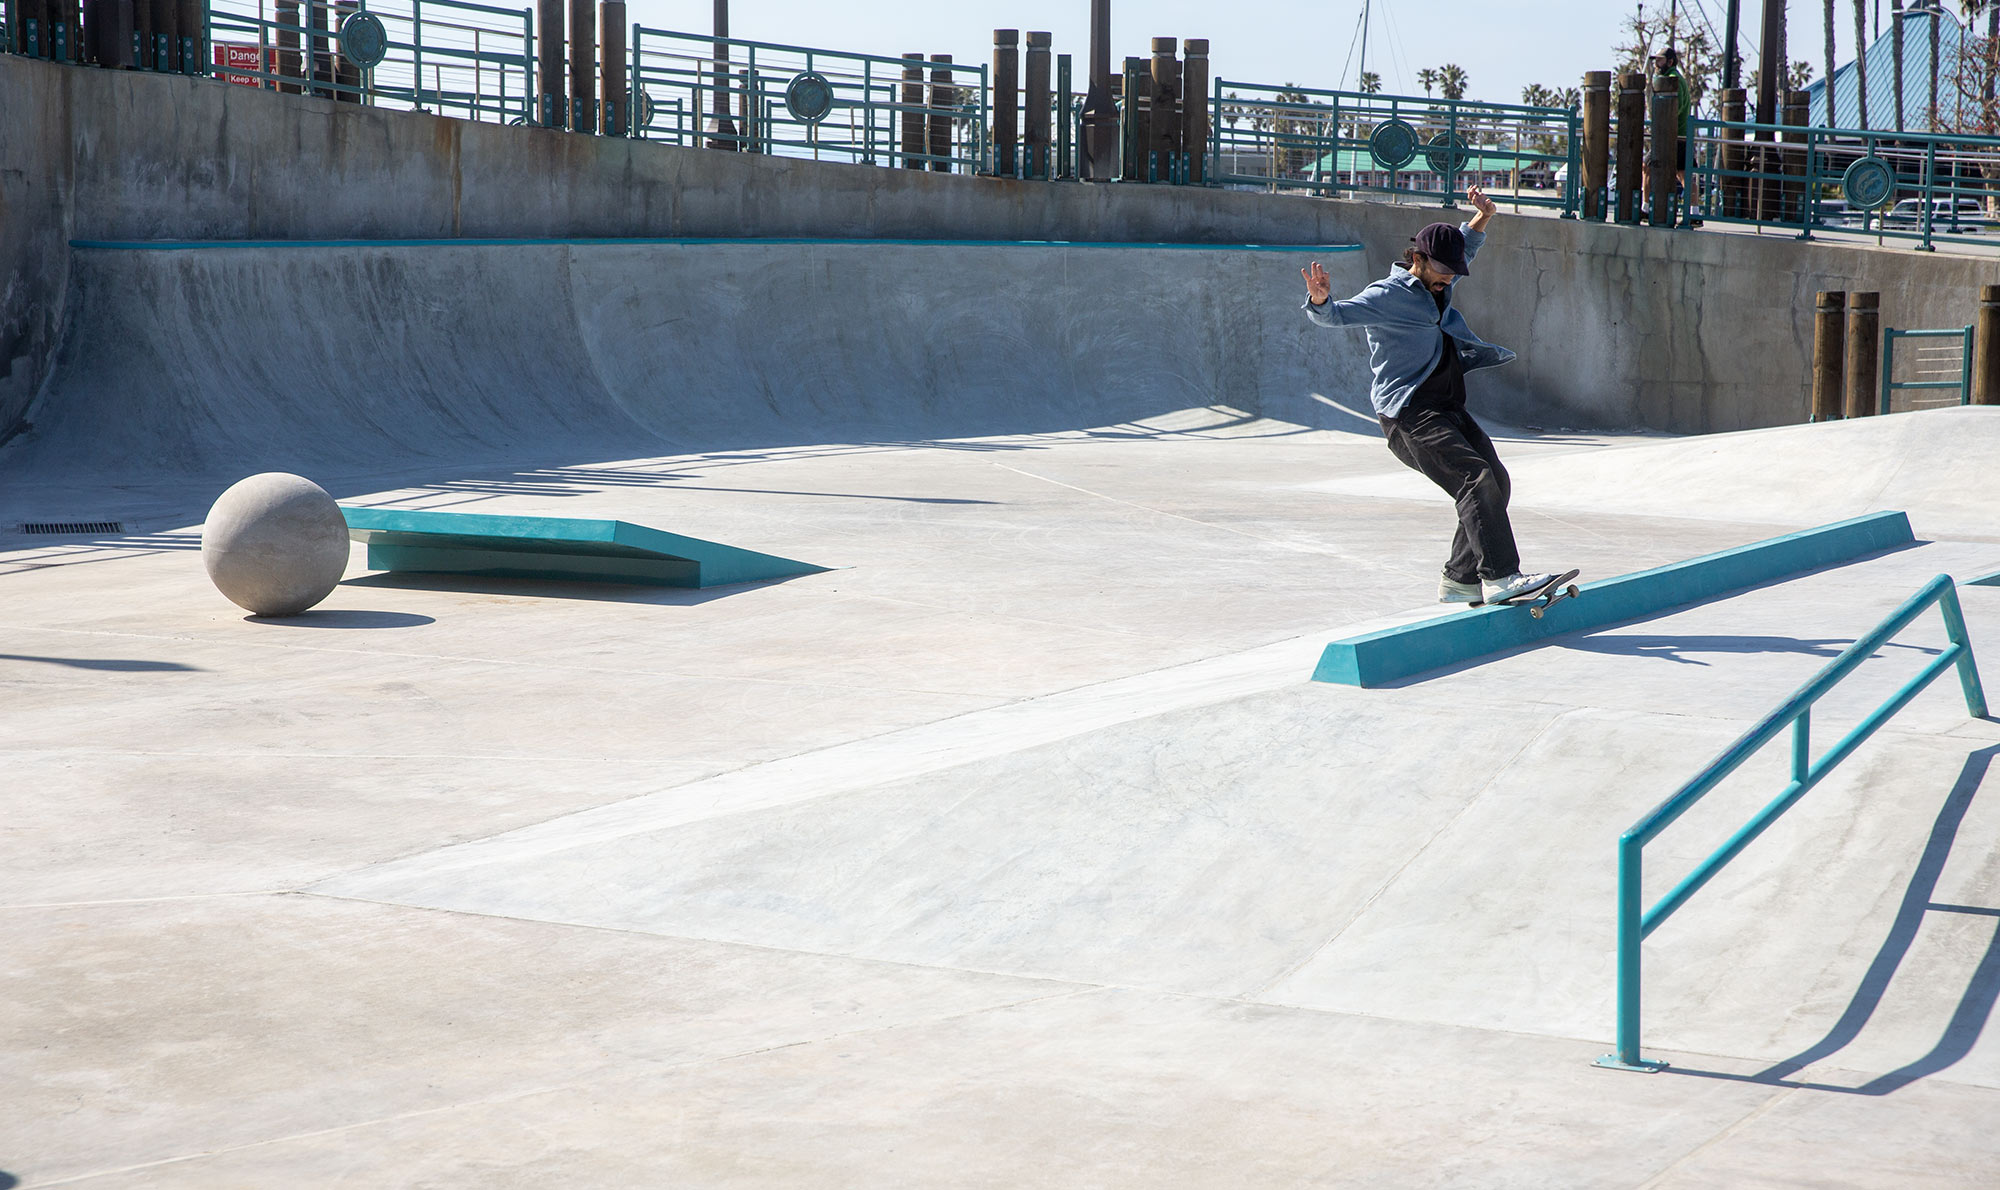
x=1947, y=215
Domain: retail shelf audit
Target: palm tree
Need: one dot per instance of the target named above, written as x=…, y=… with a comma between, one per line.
x=1453, y=80
x=1861, y=58
x=1371, y=83
x=1830, y=123
x=1427, y=78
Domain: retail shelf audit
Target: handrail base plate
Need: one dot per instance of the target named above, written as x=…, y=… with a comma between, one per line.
x=1642, y=1066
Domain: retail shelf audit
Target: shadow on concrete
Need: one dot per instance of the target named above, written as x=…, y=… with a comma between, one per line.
x=344, y=618
x=8, y=1181
x=530, y=588
x=1975, y=1003
x=1677, y=648
x=115, y=665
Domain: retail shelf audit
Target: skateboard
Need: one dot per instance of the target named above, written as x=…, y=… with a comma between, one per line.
x=1557, y=589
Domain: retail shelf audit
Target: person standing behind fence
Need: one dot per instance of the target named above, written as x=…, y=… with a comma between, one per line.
x=1667, y=63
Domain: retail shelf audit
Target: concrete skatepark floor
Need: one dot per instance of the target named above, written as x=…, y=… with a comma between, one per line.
x=1018, y=853
x=1018, y=850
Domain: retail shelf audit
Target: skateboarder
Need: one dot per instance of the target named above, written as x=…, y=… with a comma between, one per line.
x=1420, y=348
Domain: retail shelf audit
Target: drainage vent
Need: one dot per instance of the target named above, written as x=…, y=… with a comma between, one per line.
x=95, y=528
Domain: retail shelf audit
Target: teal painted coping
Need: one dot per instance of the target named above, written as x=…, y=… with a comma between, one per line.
x=1985, y=580
x=555, y=548
x=199, y=245
x=1376, y=658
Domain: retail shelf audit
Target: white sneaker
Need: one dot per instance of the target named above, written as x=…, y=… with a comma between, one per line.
x=1451, y=591
x=1516, y=586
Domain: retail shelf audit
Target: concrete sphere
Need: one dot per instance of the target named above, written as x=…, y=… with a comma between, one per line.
x=275, y=544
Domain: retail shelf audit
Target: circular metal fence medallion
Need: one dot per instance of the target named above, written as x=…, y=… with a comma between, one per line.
x=363, y=40
x=1393, y=144
x=1446, y=154
x=1869, y=184
x=809, y=97
x=642, y=109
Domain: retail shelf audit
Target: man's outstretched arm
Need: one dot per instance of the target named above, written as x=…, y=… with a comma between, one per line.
x=1483, y=205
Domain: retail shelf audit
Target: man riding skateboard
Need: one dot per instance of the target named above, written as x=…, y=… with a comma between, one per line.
x=1419, y=349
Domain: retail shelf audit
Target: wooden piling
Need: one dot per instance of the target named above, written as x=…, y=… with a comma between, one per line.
x=1986, y=348
x=289, y=71
x=1631, y=143
x=552, y=54
x=617, y=86
x=1664, y=110
x=1134, y=137
x=1735, y=204
x=1163, y=123
x=1036, y=101
x=1194, y=108
x=944, y=98
x=1864, y=354
x=583, y=65
x=1006, y=127
x=1798, y=114
x=913, y=116
x=1596, y=141
x=1829, y=366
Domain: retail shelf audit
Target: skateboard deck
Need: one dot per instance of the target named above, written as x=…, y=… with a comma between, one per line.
x=1557, y=589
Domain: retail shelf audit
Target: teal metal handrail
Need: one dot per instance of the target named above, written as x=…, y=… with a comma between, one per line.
x=1635, y=922
x=1962, y=385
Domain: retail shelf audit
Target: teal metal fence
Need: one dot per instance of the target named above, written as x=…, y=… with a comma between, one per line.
x=691, y=89
x=1942, y=362
x=453, y=57
x=1635, y=922
x=1350, y=142
x=1904, y=186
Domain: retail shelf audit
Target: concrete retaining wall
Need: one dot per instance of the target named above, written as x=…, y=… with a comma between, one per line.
x=1617, y=327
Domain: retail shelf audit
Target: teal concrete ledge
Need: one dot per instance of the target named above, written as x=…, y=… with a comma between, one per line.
x=1377, y=658
x=554, y=548
x=1985, y=580
x=207, y=245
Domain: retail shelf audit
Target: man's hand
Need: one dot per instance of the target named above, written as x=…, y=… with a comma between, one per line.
x=1317, y=286
x=1483, y=204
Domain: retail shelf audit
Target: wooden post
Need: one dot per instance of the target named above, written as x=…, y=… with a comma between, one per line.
x=1194, y=108
x=1098, y=154
x=190, y=25
x=22, y=13
x=1596, y=142
x=1986, y=348
x=166, y=43
x=617, y=88
x=1734, y=104
x=944, y=97
x=1064, y=166
x=1035, y=91
x=1665, y=109
x=1134, y=138
x=1864, y=353
x=289, y=71
x=142, y=34
x=1798, y=113
x=1164, y=122
x=1006, y=101
x=551, y=46
x=913, y=116
x=1829, y=354
x=583, y=65
x=1631, y=143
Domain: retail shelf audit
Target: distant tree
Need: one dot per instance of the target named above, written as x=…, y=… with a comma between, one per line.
x=1646, y=36
x=1371, y=83
x=1452, y=80
x=1427, y=78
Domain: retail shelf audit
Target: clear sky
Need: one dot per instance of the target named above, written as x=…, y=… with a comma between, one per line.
x=1503, y=45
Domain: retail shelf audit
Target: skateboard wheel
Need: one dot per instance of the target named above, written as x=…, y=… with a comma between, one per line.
x=1535, y=612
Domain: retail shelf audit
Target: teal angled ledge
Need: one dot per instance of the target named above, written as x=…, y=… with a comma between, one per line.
x=1985, y=580
x=561, y=548
x=1378, y=658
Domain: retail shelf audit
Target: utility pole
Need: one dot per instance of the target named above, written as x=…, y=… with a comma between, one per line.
x=1772, y=74
x=1732, y=61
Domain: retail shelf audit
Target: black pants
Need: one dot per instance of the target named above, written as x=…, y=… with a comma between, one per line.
x=1455, y=454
